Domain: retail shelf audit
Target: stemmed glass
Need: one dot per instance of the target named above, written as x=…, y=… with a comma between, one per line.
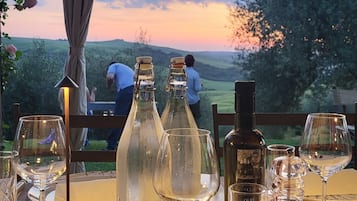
x=186, y=166
x=325, y=145
x=40, y=143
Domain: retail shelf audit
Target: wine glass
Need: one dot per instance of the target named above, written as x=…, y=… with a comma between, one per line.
x=325, y=145
x=41, y=147
x=186, y=166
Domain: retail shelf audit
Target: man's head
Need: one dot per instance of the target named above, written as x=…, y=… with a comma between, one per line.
x=189, y=60
x=111, y=63
x=107, y=67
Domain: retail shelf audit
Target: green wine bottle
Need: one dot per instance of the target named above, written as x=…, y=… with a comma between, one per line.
x=244, y=147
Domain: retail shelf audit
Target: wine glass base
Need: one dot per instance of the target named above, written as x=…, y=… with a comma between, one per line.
x=34, y=194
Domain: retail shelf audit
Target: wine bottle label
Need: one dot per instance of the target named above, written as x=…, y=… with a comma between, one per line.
x=249, y=165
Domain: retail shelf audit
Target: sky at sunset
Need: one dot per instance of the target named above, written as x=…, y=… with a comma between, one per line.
x=192, y=25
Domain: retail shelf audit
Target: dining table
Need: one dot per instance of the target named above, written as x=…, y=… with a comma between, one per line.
x=95, y=186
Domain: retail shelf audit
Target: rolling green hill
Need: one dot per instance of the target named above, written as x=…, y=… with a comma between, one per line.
x=41, y=66
x=216, y=69
x=212, y=65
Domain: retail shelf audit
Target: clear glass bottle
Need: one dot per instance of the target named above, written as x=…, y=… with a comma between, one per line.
x=177, y=113
x=244, y=147
x=288, y=184
x=139, y=143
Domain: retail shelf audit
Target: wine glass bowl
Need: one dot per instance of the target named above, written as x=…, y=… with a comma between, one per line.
x=326, y=145
x=186, y=166
x=40, y=143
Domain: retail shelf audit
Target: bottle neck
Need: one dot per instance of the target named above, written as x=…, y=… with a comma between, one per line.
x=244, y=121
x=178, y=92
x=145, y=93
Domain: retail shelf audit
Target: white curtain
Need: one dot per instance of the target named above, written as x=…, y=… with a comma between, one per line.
x=77, y=15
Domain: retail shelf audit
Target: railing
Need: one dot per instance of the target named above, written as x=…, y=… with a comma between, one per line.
x=84, y=121
x=286, y=119
x=219, y=119
x=101, y=106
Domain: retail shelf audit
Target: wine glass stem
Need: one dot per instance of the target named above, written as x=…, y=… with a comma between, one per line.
x=324, y=188
x=42, y=195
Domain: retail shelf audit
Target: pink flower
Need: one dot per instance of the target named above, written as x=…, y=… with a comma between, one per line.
x=29, y=3
x=11, y=49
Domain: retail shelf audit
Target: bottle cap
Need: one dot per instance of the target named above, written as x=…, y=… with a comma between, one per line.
x=144, y=60
x=144, y=69
x=177, y=62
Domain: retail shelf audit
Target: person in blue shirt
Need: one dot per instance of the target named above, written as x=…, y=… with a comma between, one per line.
x=123, y=77
x=194, y=85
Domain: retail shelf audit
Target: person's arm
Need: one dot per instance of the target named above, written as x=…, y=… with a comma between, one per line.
x=110, y=79
x=198, y=84
x=91, y=94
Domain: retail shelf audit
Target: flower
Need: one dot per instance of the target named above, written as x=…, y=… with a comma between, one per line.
x=11, y=49
x=8, y=52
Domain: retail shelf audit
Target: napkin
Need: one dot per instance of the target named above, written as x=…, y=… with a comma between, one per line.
x=94, y=190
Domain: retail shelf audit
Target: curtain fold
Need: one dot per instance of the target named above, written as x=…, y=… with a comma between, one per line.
x=76, y=16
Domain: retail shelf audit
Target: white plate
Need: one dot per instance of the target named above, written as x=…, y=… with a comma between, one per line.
x=34, y=195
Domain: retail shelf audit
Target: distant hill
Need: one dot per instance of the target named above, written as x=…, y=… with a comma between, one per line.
x=216, y=66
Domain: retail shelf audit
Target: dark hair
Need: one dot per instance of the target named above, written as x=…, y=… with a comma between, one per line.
x=107, y=67
x=189, y=60
x=113, y=62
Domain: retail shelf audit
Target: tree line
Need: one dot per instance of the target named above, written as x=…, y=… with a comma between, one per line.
x=305, y=48
x=39, y=69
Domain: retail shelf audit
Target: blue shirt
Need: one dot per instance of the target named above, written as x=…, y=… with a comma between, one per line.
x=193, y=85
x=123, y=74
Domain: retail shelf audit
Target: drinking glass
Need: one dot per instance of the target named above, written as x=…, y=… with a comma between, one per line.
x=186, y=166
x=40, y=143
x=274, y=151
x=7, y=176
x=248, y=191
x=325, y=145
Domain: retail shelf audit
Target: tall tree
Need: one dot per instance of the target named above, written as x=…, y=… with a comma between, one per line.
x=301, y=44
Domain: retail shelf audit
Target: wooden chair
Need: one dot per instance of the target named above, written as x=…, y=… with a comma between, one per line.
x=342, y=99
x=84, y=121
x=287, y=119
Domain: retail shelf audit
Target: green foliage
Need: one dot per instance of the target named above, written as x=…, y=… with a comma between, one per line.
x=7, y=63
x=281, y=78
x=41, y=67
x=316, y=48
x=8, y=52
x=33, y=83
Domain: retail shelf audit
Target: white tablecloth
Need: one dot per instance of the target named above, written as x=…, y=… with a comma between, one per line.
x=343, y=184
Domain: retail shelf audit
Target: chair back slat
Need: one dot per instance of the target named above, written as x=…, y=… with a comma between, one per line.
x=93, y=156
x=84, y=121
x=273, y=119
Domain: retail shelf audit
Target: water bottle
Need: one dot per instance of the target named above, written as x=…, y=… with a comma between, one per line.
x=139, y=143
x=177, y=112
x=288, y=184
